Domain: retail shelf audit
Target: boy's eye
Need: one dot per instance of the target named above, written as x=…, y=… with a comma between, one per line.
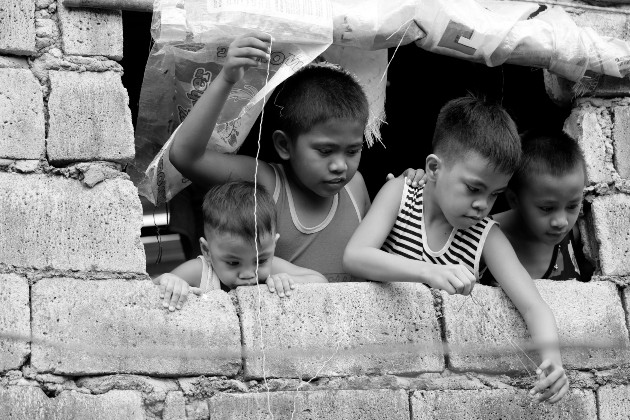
x=232, y=263
x=545, y=209
x=354, y=151
x=263, y=261
x=325, y=151
x=472, y=189
x=573, y=207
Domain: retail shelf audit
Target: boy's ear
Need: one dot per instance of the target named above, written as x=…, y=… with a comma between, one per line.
x=205, y=249
x=433, y=166
x=511, y=198
x=275, y=241
x=281, y=142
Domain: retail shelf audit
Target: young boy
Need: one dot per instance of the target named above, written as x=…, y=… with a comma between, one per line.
x=439, y=235
x=319, y=195
x=235, y=249
x=545, y=195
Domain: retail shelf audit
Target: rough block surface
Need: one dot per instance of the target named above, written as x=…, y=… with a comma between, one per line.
x=611, y=219
x=15, y=321
x=589, y=316
x=614, y=402
x=501, y=404
x=306, y=405
x=89, y=118
x=340, y=329
x=603, y=23
x=621, y=140
x=21, y=114
x=17, y=27
x=25, y=402
x=583, y=125
x=106, y=326
x=55, y=222
x=91, y=31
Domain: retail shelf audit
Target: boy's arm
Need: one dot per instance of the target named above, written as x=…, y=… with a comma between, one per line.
x=189, y=152
x=541, y=323
x=364, y=258
x=284, y=276
x=360, y=193
x=174, y=286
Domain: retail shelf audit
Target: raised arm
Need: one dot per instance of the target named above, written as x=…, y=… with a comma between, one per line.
x=189, y=152
x=541, y=323
x=363, y=256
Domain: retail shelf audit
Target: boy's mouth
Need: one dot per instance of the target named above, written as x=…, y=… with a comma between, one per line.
x=335, y=181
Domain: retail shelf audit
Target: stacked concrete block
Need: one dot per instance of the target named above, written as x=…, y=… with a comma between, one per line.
x=91, y=32
x=106, y=326
x=17, y=27
x=340, y=329
x=610, y=24
x=305, y=405
x=613, y=402
x=621, y=140
x=25, y=402
x=50, y=222
x=500, y=404
x=89, y=118
x=611, y=220
x=21, y=114
x=15, y=321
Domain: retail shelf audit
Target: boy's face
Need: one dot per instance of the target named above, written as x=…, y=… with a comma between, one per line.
x=549, y=205
x=467, y=188
x=234, y=258
x=326, y=158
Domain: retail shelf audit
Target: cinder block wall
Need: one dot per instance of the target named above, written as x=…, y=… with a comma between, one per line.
x=83, y=334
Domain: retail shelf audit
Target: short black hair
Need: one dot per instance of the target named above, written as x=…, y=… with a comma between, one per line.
x=471, y=123
x=315, y=94
x=229, y=208
x=547, y=152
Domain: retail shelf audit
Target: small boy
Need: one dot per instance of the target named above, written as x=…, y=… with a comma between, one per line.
x=235, y=249
x=545, y=196
x=319, y=195
x=439, y=234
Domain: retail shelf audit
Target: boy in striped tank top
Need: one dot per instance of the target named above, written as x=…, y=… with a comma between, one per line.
x=440, y=234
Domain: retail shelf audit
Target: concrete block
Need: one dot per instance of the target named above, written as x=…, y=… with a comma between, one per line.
x=500, y=404
x=561, y=90
x=119, y=326
x=15, y=321
x=583, y=125
x=613, y=402
x=378, y=404
x=89, y=118
x=21, y=115
x=611, y=219
x=480, y=330
x=603, y=23
x=621, y=140
x=91, y=31
x=626, y=303
x=17, y=27
x=340, y=329
x=174, y=406
x=55, y=222
x=24, y=402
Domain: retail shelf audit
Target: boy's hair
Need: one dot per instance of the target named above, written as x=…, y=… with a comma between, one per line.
x=470, y=124
x=315, y=94
x=547, y=152
x=229, y=208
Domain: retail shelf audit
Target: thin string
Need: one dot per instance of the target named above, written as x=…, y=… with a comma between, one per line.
x=410, y=21
x=262, y=343
x=158, y=236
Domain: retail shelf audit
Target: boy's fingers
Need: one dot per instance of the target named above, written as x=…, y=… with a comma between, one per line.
x=548, y=381
x=270, y=285
x=175, y=297
x=196, y=290
x=183, y=297
x=560, y=394
x=552, y=391
x=286, y=283
x=168, y=292
x=389, y=176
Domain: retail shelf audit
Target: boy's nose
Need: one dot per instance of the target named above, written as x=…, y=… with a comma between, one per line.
x=480, y=205
x=246, y=274
x=338, y=165
x=559, y=221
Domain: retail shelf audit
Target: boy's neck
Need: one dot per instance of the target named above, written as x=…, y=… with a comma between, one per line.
x=432, y=213
x=310, y=206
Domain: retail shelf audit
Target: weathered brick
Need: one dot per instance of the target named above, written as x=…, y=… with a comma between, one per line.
x=621, y=140
x=21, y=115
x=480, y=330
x=22, y=403
x=603, y=23
x=89, y=118
x=15, y=321
x=611, y=219
x=500, y=404
x=340, y=329
x=17, y=27
x=91, y=31
x=353, y=404
x=613, y=402
x=583, y=125
x=55, y=222
x=105, y=326
x=174, y=406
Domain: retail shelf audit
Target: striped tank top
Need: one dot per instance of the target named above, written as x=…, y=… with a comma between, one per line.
x=408, y=237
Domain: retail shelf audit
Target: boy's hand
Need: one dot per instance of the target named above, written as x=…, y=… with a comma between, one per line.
x=415, y=177
x=242, y=55
x=282, y=283
x=453, y=279
x=174, y=291
x=552, y=382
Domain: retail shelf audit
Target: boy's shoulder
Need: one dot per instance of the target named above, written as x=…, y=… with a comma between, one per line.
x=358, y=190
